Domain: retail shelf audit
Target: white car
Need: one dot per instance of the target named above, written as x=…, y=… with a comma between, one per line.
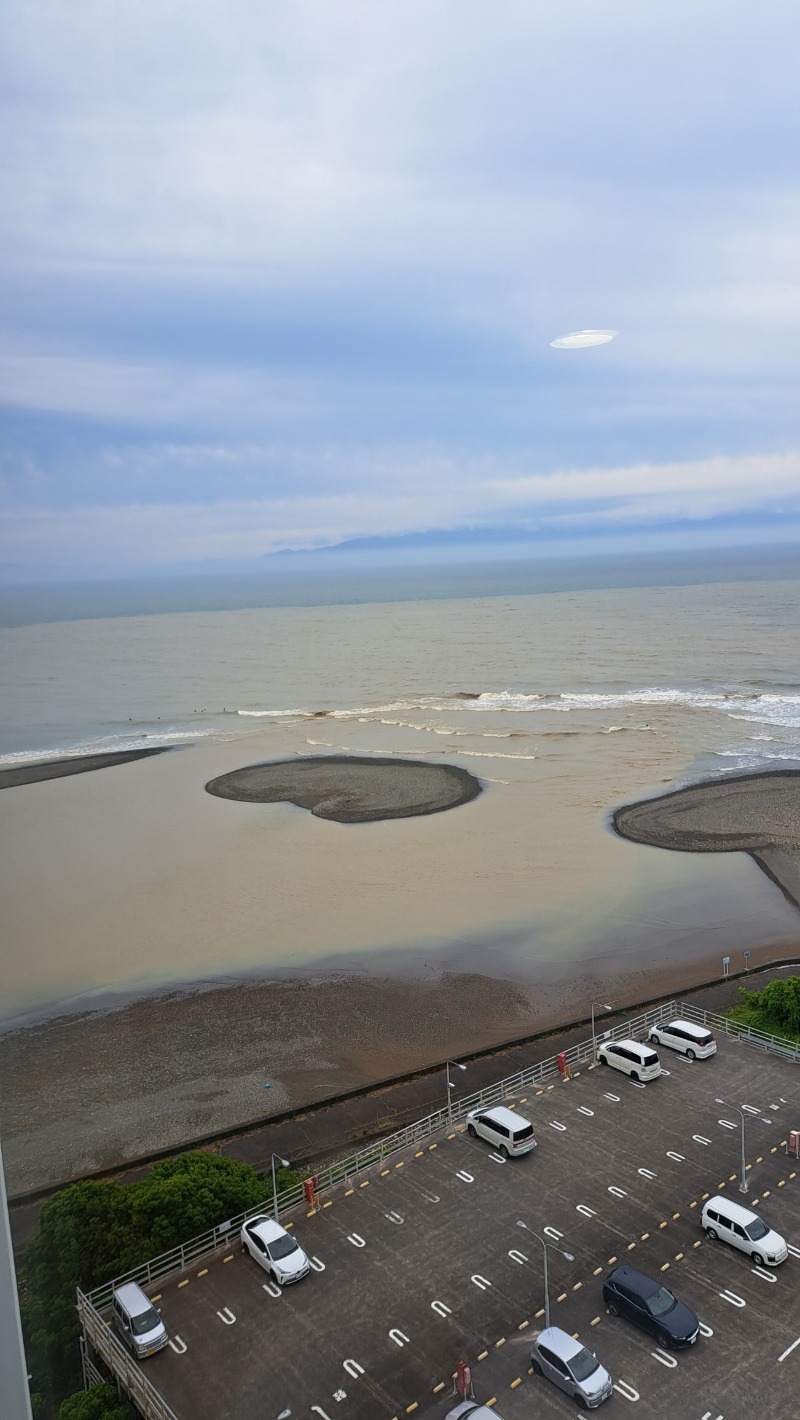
x=275, y=1250
x=695, y=1042
x=471, y=1409
x=634, y=1059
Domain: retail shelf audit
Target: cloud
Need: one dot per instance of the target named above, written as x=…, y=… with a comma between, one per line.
x=408, y=495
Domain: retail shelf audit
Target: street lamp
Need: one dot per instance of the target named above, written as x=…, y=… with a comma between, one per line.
x=450, y=1085
x=284, y=1164
x=603, y=1007
x=743, y=1185
x=545, y=1245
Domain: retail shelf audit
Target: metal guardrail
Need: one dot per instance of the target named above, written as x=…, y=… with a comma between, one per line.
x=341, y=1170
x=723, y=1025
x=122, y=1366
x=125, y=1369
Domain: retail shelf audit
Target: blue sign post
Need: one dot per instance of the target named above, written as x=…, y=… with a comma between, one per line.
x=726, y=961
x=746, y=956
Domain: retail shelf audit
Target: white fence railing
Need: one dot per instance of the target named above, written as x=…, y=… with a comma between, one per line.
x=723, y=1025
x=122, y=1366
x=179, y=1258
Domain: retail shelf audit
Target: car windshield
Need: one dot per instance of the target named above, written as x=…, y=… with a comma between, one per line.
x=583, y=1365
x=649, y=1058
x=144, y=1322
x=662, y=1301
x=282, y=1247
x=757, y=1230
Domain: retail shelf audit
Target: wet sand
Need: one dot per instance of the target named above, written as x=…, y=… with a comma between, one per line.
x=351, y=788
x=757, y=814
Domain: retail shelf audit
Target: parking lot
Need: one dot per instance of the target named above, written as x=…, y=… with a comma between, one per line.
x=421, y=1264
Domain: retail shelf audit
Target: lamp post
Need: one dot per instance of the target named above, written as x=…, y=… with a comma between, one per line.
x=545, y=1245
x=450, y=1085
x=743, y=1184
x=284, y=1164
x=603, y=1007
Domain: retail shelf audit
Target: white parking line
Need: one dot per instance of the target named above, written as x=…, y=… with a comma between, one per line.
x=789, y=1350
x=614, y=1098
x=664, y=1358
x=734, y=1300
x=679, y=1158
x=762, y=1272
x=700, y=1139
x=554, y=1124
x=622, y=1388
x=726, y=1123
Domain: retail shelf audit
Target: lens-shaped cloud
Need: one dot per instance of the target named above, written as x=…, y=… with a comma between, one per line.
x=582, y=339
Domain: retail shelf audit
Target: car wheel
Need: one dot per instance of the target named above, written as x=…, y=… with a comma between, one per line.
x=690, y=1055
x=663, y=1341
x=535, y=1367
x=635, y=1076
x=711, y=1234
x=757, y=1259
x=613, y=1309
x=654, y=1040
x=503, y=1150
x=580, y=1402
x=603, y=1060
x=472, y=1131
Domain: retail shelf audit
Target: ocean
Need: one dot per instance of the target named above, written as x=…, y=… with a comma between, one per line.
x=519, y=908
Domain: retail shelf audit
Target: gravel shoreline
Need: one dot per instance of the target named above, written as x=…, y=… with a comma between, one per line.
x=41, y=771
x=757, y=814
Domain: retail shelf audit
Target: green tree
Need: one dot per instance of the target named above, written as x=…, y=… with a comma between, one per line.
x=92, y=1232
x=99, y=1403
x=188, y=1195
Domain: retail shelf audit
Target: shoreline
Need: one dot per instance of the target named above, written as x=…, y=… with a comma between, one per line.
x=757, y=814
x=209, y=1054
x=41, y=772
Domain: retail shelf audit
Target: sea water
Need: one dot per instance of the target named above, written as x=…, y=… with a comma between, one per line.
x=565, y=691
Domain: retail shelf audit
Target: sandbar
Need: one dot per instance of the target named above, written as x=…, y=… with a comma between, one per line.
x=38, y=772
x=351, y=788
x=758, y=814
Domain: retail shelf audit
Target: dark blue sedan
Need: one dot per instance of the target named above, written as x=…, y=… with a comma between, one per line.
x=650, y=1305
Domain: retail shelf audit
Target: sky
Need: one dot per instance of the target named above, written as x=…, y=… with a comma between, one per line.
x=278, y=276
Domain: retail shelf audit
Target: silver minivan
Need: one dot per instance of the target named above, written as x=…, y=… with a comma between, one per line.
x=508, y=1132
x=638, y=1061
x=137, y=1320
x=557, y=1355
x=722, y=1218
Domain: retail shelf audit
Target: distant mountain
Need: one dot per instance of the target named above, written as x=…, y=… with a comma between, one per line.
x=417, y=541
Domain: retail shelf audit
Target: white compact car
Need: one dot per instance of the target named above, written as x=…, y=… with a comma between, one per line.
x=729, y=1221
x=275, y=1250
x=638, y=1061
x=695, y=1042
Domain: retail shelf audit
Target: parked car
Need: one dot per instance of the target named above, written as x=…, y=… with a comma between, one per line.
x=650, y=1305
x=695, y=1042
x=137, y=1320
x=474, y=1410
x=507, y=1131
x=636, y=1060
x=739, y=1226
x=275, y=1250
x=557, y=1355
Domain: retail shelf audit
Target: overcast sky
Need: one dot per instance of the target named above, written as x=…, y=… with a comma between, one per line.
x=280, y=275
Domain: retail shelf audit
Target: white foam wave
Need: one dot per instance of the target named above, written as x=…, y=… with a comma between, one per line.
x=493, y=754
x=165, y=739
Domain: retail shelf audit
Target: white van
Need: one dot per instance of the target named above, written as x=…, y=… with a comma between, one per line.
x=695, y=1042
x=636, y=1060
x=507, y=1131
x=137, y=1320
x=722, y=1218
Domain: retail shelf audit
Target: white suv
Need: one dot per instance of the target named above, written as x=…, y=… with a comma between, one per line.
x=695, y=1042
x=638, y=1061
